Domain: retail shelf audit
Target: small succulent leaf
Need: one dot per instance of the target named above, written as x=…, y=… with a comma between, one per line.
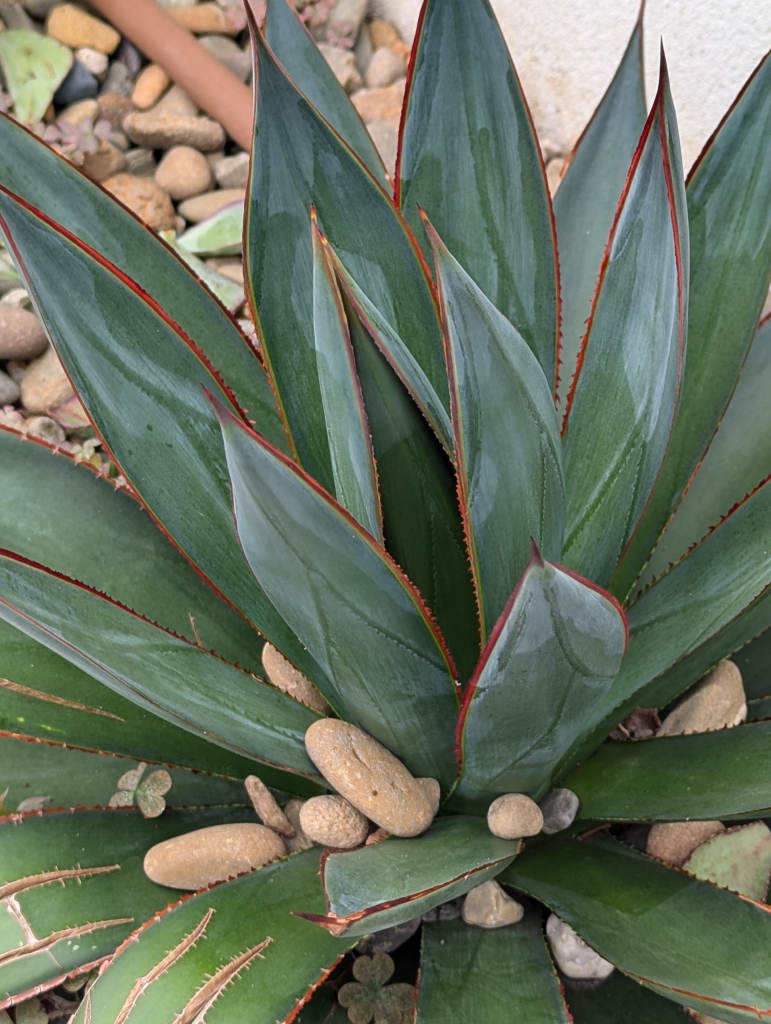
x=737, y=460
x=53, y=185
x=395, y=1004
x=354, y=474
x=656, y=923
x=44, y=697
x=72, y=888
x=399, y=357
x=469, y=157
x=34, y=66
x=676, y=778
x=585, y=203
x=206, y=953
x=396, y=880
x=373, y=970
x=472, y=974
x=159, y=394
x=553, y=654
x=131, y=779
x=623, y=398
x=370, y=631
x=31, y=1012
x=300, y=57
x=421, y=517
x=219, y=235
x=619, y=1000
x=507, y=445
x=300, y=161
x=738, y=859
x=150, y=793
x=729, y=211
x=79, y=778
x=112, y=545
x=171, y=677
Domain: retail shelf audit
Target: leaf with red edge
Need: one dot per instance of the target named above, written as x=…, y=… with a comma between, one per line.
x=470, y=158
x=553, y=654
x=347, y=600
x=623, y=400
x=141, y=380
x=396, y=880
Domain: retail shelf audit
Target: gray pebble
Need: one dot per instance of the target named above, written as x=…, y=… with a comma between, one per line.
x=118, y=80
x=39, y=8
x=446, y=912
x=232, y=171
x=230, y=54
x=559, y=810
x=79, y=84
x=389, y=939
x=10, y=391
x=14, y=15
x=141, y=163
x=129, y=55
x=45, y=428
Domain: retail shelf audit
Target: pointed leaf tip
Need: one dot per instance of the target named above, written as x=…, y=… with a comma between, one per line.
x=536, y=558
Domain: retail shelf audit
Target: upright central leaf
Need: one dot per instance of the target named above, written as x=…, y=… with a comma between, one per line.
x=469, y=158
x=624, y=397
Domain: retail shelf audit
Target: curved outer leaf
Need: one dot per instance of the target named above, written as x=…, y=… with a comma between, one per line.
x=354, y=610
x=78, y=778
x=737, y=460
x=474, y=974
x=469, y=157
x=396, y=880
x=585, y=203
x=623, y=399
x=72, y=888
x=53, y=185
x=554, y=652
x=175, y=679
x=729, y=212
x=205, y=953
x=753, y=662
x=141, y=380
x=111, y=545
x=350, y=445
x=619, y=1000
x=656, y=923
x=507, y=445
x=422, y=521
x=299, y=161
x=44, y=697
x=298, y=53
x=707, y=776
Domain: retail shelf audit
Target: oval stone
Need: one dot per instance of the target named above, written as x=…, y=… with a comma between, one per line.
x=369, y=776
x=208, y=855
x=514, y=816
x=333, y=821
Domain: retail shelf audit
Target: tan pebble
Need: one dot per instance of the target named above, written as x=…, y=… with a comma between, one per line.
x=674, y=842
x=554, y=171
x=77, y=113
x=45, y=384
x=93, y=61
x=209, y=855
x=286, y=677
x=177, y=103
x=385, y=68
x=432, y=791
x=383, y=33
x=369, y=776
x=145, y=197
x=573, y=956
x=152, y=82
x=45, y=428
x=202, y=18
x=375, y=103
x=233, y=269
x=183, y=172
x=299, y=841
x=266, y=807
x=73, y=27
x=343, y=64
x=514, y=816
x=107, y=161
x=488, y=906
x=21, y=333
x=113, y=108
x=201, y=207
x=162, y=131
x=717, y=702
x=384, y=132
x=332, y=821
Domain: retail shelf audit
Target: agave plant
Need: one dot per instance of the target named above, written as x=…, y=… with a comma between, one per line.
x=485, y=529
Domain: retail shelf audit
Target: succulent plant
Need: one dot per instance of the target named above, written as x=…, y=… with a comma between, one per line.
x=495, y=476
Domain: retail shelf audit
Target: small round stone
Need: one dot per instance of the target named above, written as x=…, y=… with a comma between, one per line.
x=45, y=428
x=299, y=841
x=21, y=333
x=673, y=842
x=369, y=776
x=559, y=810
x=432, y=792
x=183, y=172
x=79, y=84
x=105, y=163
x=202, y=207
x=152, y=82
x=385, y=68
x=145, y=197
x=45, y=384
x=154, y=130
x=73, y=27
x=113, y=108
x=9, y=390
x=574, y=957
x=488, y=906
x=232, y=171
x=717, y=702
x=204, y=17
x=94, y=61
x=286, y=677
x=208, y=855
x=77, y=113
x=332, y=821
x=514, y=816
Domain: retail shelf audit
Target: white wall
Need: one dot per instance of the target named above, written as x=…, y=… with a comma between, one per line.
x=566, y=52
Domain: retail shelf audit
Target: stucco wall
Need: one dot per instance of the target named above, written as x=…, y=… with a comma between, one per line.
x=566, y=51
